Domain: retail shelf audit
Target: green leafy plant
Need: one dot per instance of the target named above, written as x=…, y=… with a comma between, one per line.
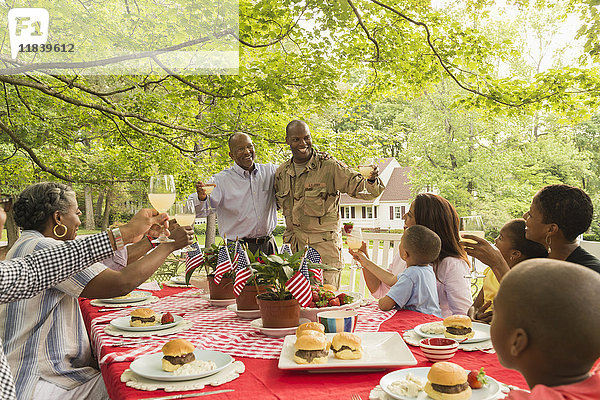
x=276, y=269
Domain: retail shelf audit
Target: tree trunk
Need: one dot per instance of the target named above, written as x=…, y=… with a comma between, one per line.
x=106, y=218
x=89, y=208
x=211, y=230
x=12, y=230
x=98, y=212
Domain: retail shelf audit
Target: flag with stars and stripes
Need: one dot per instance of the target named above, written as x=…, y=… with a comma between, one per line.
x=299, y=286
x=286, y=249
x=193, y=259
x=242, y=271
x=232, y=247
x=313, y=256
x=223, y=264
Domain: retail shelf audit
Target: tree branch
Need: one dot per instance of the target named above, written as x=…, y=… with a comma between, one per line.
x=449, y=72
x=122, y=115
x=31, y=154
x=362, y=24
x=98, y=63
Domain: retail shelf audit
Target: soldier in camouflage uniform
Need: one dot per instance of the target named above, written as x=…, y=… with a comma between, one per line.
x=307, y=188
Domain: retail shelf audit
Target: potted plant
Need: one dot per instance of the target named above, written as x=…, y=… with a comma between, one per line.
x=278, y=307
x=224, y=290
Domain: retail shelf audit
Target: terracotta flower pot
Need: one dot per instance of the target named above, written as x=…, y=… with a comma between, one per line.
x=247, y=298
x=279, y=313
x=222, y=291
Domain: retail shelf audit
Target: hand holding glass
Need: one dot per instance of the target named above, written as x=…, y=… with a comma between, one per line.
x=472, y=225
x=185, y=214
x=162, y=196
x=208, y=188
x=354, y=240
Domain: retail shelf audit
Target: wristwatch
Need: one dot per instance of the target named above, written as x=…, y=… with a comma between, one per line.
x=116, y=232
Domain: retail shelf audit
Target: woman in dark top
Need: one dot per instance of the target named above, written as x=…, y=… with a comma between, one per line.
x=558, y=214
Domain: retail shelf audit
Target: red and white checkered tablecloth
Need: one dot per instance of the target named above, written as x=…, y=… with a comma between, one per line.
x=216, y=328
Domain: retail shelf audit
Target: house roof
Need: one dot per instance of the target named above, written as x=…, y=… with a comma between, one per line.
x=397, y=188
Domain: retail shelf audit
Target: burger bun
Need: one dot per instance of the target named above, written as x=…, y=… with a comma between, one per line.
x=310, y=326
x=435, y=395
x=177, y=348
x=354, y=352
x=447, y=374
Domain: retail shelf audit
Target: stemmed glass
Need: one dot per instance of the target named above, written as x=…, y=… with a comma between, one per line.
x=185, y=214
x=208, y=188
x=162, y=196
x=354, y=240
x=366, y=167
x=472, y=225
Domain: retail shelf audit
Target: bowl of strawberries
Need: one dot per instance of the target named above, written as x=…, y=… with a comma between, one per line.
x=325, y=299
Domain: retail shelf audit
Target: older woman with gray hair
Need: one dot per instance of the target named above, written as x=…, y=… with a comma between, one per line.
x=45, y=340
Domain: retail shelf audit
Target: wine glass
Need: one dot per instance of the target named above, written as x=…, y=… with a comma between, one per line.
x=472, y=225
x=366, y=167
x=185, y=214
x=162, y=196
x=208, y=187
x=354, y=240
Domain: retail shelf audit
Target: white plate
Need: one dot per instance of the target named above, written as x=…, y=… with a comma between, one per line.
x=150, y=365
x=380, y=350
x=248, y=314
x=488, y=392
x=123, y=324
x=276, y=332
x=218, y=303
x=135, y=296
x=482, y=333
x=178, y=280
x=311, y=312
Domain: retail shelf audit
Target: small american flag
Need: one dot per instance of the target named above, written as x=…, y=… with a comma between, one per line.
x=286, y=249
x=193, y=258
x=223, y=264
x=233, y=247
x=313, y=256
x=242, y=272
x=299, y=285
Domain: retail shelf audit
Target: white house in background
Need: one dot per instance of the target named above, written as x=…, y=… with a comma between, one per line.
x=386, y=211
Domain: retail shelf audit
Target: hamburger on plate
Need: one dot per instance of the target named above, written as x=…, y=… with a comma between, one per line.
x=310, y=326
x=458, y=327
x=311, y=347
x=177, y=352
x=142, y=317
x=346, y=346
x=447, y=381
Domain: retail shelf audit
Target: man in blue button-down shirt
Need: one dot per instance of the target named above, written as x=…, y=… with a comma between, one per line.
x=243, y=197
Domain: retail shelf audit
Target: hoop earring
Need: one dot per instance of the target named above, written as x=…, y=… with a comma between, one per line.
x=63, y=234
x=548, y=243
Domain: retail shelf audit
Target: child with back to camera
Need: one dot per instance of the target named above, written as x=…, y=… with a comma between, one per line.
x=554, y=341
x=416, y=288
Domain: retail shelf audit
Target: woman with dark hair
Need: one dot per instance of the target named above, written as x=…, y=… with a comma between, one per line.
x=557, y=215
x=514, y=248
x=437, y=214
x=44, y=337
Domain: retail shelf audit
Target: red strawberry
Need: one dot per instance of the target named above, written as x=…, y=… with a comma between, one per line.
x=476, y=378
x=167, y=318
x=334, y=302
x=315, y=297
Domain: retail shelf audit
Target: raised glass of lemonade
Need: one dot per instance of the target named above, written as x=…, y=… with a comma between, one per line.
x=162, y=196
